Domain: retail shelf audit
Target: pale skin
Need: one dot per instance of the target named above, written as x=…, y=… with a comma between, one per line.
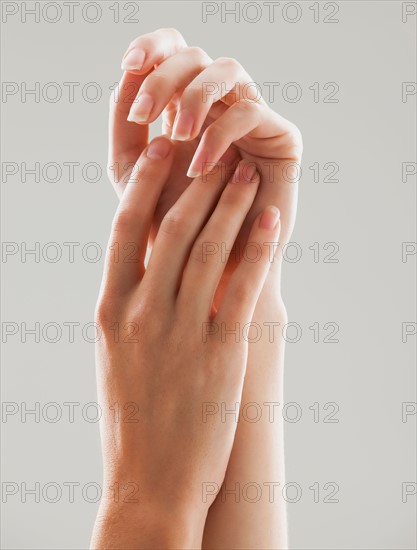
x=222, y=128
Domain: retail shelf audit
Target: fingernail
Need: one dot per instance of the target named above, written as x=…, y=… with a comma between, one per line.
x=269, y=218
x=183, y=125
x=133, y=59
x=193, y=173
x=158, y=149
x=199, y=164
x=141, y=109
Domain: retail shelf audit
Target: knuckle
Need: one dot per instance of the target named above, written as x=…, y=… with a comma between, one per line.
x=119, y=321
x=234, y=198
x=247, y=107
x=140, y=173
x=145, y=41
x=199, y=55
x=118, y=176
x=170, y=30
x=295, y=142
x=159, y=81
x=193, y=93
x=123, y=221
x=105, y=313
x=297, y=135
x=201, y=252
x=142, y=170
x=229, y=62
x=173, y=223
x=296, y=132
x=175, y=33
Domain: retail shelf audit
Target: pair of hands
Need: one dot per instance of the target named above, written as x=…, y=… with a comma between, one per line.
x=167, y=354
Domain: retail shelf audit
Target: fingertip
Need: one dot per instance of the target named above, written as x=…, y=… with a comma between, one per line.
x=193, y=173
x=270, y=218
x=183, y=126
x=132, y=117
x=133, y=59
x=141, y=109
x=159, y=148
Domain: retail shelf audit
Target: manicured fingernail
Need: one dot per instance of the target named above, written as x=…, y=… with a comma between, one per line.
x=269, y=218
x=158, y=149
x=141, y=108
x=183, y=125
x=133, y=59
x=199, y=164
x=193, y=173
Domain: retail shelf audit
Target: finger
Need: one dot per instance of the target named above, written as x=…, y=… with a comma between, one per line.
x=181, y=225
x=243, y=120
x=247, y=281
x=170, y=77
x=168, y=116
x=151, y=49
x=212, y=248
x=132, y=222
x=126, y=140
x=237, y=121
x=222, y=78
x=170, y=112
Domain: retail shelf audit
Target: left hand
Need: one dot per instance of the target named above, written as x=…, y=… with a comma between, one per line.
x=210, y=108
x=164, y=362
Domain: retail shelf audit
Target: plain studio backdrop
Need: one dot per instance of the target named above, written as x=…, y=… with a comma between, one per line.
x=345, y=73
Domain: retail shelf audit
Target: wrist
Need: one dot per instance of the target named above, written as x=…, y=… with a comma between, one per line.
x=137, y=526
x=133, y=515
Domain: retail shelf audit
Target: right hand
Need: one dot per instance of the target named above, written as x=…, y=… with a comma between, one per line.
x=173, y=359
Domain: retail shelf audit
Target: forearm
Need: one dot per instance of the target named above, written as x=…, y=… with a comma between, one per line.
x=255, y=516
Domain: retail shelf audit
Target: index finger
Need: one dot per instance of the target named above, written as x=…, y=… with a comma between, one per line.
x=126, y=139
x=151, y=49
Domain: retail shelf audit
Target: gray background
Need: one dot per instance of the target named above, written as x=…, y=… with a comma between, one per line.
x=368, y=212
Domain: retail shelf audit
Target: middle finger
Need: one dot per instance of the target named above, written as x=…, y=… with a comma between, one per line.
x=170, y=77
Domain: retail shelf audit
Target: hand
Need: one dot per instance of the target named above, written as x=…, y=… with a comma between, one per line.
x=171, y=79
x=160, y=354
